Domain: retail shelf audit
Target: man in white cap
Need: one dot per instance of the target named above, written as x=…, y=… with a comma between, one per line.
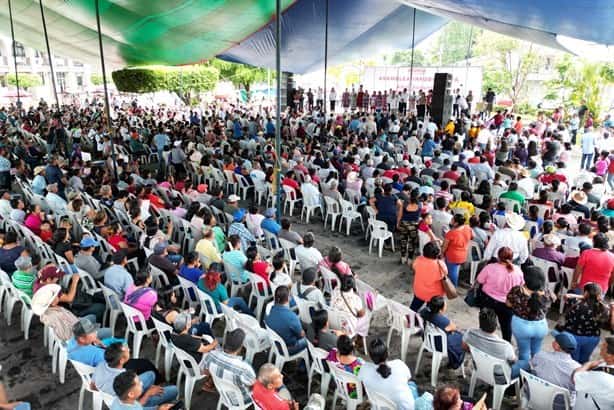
x=548, y=251
x=55, y=201
x=511, y=237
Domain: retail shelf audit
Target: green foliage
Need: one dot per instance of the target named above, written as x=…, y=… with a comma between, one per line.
x=96, y=79
x=452, y=45
x=580, y=80
x=404, y=58
x=25, y=80
x=182, y=80
x=241, y=75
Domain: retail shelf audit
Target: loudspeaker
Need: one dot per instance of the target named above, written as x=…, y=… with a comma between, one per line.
x=288, y=86
x=441, y=104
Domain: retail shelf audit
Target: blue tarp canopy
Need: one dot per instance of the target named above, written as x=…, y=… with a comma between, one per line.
x=176, y=32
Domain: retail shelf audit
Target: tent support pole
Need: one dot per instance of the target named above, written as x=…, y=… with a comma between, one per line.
x=55, y=90
x=106, y=91
x=325, y=59
x=15, y=60
x=278, y=105
x=413, y=44
x=467, y=57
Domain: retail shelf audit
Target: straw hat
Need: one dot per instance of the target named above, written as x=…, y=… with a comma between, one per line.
x=44, y=297
x=579, y=197
x=514, y=221
x=38, y=170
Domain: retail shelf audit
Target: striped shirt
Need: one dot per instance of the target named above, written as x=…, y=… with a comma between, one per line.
x=233, y=369
x=24, y=281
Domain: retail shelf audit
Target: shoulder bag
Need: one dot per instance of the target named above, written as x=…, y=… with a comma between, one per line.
x=448, y=286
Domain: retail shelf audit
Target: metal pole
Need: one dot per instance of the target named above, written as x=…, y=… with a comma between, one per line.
x=15, y=60
x=278, y=108
x=413, y=43
x=325, y=59
x=106, y=91
x=467, y=57
x=55, y=91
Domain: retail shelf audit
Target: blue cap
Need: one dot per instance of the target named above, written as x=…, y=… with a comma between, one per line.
x=566, y=340
x=88, y=242
x=239, y=215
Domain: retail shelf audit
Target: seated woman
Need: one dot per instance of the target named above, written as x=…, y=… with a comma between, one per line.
x=63, y=247
x=391, y=379
x=334, y=263
x=256, y=265
x=118, y=240
x=141, y=296
x=343, y=357
x=347, y=300
x=319, y=333
x=434, y=313
x=212, y=286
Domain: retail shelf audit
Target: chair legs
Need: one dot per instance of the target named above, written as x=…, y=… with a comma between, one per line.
x=435, y=363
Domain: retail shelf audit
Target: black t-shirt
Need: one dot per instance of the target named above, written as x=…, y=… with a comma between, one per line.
x=188, y=343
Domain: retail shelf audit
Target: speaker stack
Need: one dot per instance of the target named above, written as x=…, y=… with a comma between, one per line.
x=441, y=104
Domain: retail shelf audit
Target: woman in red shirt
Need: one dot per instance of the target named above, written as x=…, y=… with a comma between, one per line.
x=290, y=180
x=256, y=265
x=455, y=246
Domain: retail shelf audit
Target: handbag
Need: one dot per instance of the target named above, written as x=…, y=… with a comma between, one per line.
x=474, y=297
x=448, y=286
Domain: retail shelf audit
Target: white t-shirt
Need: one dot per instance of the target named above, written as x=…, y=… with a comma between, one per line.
x=599, y=385
x=394, y=387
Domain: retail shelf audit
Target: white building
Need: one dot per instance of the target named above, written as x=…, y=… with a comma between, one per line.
x=72, y=77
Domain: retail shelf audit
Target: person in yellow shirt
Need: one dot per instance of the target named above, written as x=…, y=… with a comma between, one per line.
x=464, y=203
x=449, y=128
x=205, y=247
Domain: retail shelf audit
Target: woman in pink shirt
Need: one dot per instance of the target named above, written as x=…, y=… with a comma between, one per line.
x=34, y=219
x=601, y=166
x=335, y=264
x=141, y=297
x=497, y=279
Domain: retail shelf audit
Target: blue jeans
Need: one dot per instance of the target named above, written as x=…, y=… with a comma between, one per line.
x=168, y=395
x=453, y=269
x=239, y=304
x=589, y=160
x=586, y=345
x=301, y=344
x=529, y=335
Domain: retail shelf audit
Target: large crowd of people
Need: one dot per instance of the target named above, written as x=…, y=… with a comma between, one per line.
x=176, y=205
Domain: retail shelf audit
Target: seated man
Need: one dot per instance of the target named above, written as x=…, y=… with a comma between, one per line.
x=307, y=255
x=308, y=290
x=596, y=378
x=165, y=262
x=287, y=234
x=285, y=322
x=236, y=259
x=557, y=367
x=129, y=391
x=229, y=365
x=85, y=345
x=488, y=341
x=266, y=392
x=116, y=356
x=195, y=346
x=548, y=251
x=117, y=277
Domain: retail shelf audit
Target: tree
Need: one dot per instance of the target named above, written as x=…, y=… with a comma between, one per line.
x=403, y=57
x=241, y=75
x=181, y=80
x=579, y=80
x=453, y=43
x=509, y=64
x=26, y=80
x=96, y=79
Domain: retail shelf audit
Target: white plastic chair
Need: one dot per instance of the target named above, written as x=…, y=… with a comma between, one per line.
x=256, y=338
x=379, y=401
x=260, y=294
x=349, y=215
x=208, y=308
x=230, y=181
x=329, y=279
x=164, y=330
x=333, y=211
x=404, y=321
x=484, y=370
x=540, y=394
x=343, y=380
x=11, y=297
x=279, y=351
x=234, y=271
x=431, y=335
x=114, y=308
x=566, y=276
x=547, y=267
x=304, y=307
x=318, y=356
x=378, y=300
x=310, y=206
x=85, y=372
x=229, y=395
x=288, y=248
x=189, y=371
x=138, y=328
x=380, y=234
x=244, y=186
x=341, y=320
x=190, y=296
x=26, y=314
x=474, y=258
x=290, y=199
x=59, y=355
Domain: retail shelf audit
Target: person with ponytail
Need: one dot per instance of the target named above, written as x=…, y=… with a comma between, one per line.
x=585, y=316
x=388, y=378
x=434, y=313
x=497, y=279
x=529, y=303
